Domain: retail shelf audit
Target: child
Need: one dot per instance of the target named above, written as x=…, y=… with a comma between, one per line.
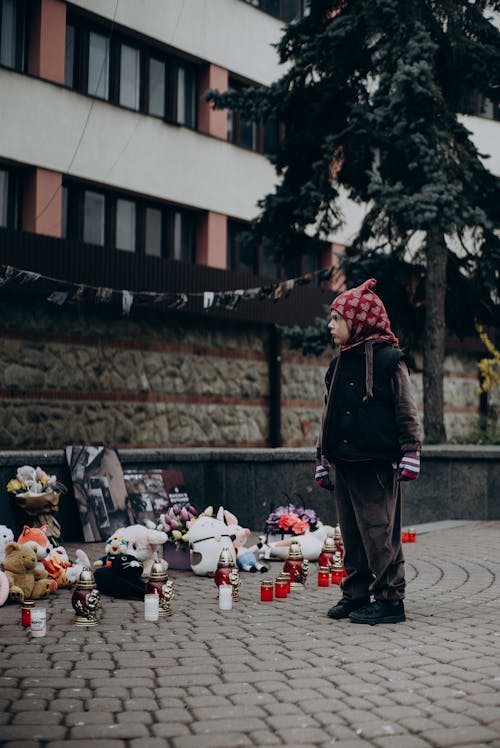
x=371, y=433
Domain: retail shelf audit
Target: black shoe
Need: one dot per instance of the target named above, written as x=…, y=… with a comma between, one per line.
x=344, y=607
x=381, y=611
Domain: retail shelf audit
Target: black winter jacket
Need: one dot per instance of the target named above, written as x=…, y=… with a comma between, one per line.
x=370, y=413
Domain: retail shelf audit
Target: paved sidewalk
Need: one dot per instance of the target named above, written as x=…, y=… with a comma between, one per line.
x=269, y=674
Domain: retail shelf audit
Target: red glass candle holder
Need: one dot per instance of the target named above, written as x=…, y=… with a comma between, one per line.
x=281, y=588
x=336, y=576
x=286, y=576
x=412, y=535
x=266, y=590
x=323, y=576
x=294, y=567
x=26, y=609
x=404, y=536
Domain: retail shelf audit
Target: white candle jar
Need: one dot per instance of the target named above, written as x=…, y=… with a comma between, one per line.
x=225, y=597
x=151, y=607
x=38, y=622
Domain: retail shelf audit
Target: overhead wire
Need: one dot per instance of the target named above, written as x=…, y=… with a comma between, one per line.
x=87, y=119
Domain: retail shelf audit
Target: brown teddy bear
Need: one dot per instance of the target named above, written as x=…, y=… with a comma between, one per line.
x=26, y=582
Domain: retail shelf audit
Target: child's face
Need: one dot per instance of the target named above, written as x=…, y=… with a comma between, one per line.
x=338, y=328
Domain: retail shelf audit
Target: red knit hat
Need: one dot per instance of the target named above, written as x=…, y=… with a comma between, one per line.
x=365, y=315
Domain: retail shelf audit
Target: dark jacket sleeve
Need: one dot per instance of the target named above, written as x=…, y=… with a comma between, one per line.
x=405, y=407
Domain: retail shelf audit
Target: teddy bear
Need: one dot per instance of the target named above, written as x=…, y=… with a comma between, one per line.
x=26, y=581
x=6, y=536
x=143, y=543
x=36, y=538
x=114, y=545
x=121, y=578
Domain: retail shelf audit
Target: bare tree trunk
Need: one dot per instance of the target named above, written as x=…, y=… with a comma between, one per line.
x=435, y=337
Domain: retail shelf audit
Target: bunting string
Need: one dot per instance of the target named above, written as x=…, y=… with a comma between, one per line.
x=69, y=292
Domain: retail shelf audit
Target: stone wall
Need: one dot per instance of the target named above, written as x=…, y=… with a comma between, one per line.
x=77, y=375
x=85, y=374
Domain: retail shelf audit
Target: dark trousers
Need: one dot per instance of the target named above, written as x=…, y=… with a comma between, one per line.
x=368, y=498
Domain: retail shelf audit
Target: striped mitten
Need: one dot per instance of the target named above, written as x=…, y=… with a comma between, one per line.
x=322, y=477
x=409, y=467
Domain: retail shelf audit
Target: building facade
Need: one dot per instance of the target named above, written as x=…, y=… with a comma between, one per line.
x=116, y=174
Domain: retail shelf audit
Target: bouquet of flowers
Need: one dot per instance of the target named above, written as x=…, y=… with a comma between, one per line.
x=37, y=494
x=291, y=520
x=34, y=490
x=174, y=523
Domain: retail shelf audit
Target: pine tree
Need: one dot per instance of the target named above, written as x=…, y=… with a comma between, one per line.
x=371, y=102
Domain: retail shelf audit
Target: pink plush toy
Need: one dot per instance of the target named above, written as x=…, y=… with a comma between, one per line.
x=245, y=557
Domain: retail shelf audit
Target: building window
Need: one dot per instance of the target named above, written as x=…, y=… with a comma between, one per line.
x=271, y=136
x=153, y=231
x=156, y=103
x=242, y=131
x=287, y=10
x=13, y=34
x=255, y=136
x=94, y=217
x=183, y=236
x=10, y=197
x=241, y=255
x=129, y=76
x=186, y=95
x=128, y=223
x=4, y=196
x=70, y=56
x=125, y=225
x=484, y=107
x=64, y=209
x=310, y=262
x=98, y=66
x=268, y=265
x=129, y=73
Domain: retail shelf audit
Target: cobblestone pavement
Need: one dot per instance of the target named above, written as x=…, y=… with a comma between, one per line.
x=269, y=674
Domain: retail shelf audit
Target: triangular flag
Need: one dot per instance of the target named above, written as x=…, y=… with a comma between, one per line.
x=127, y=301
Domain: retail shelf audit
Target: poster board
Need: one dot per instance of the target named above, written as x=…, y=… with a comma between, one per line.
x=153, y=492
x=99, y=490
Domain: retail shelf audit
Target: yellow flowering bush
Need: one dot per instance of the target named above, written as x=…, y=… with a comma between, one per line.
x=489, y=367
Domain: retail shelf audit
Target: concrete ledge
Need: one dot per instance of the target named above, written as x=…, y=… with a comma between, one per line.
x=457, y=482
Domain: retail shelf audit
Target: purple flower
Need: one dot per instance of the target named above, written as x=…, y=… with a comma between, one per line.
x=308, y=515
